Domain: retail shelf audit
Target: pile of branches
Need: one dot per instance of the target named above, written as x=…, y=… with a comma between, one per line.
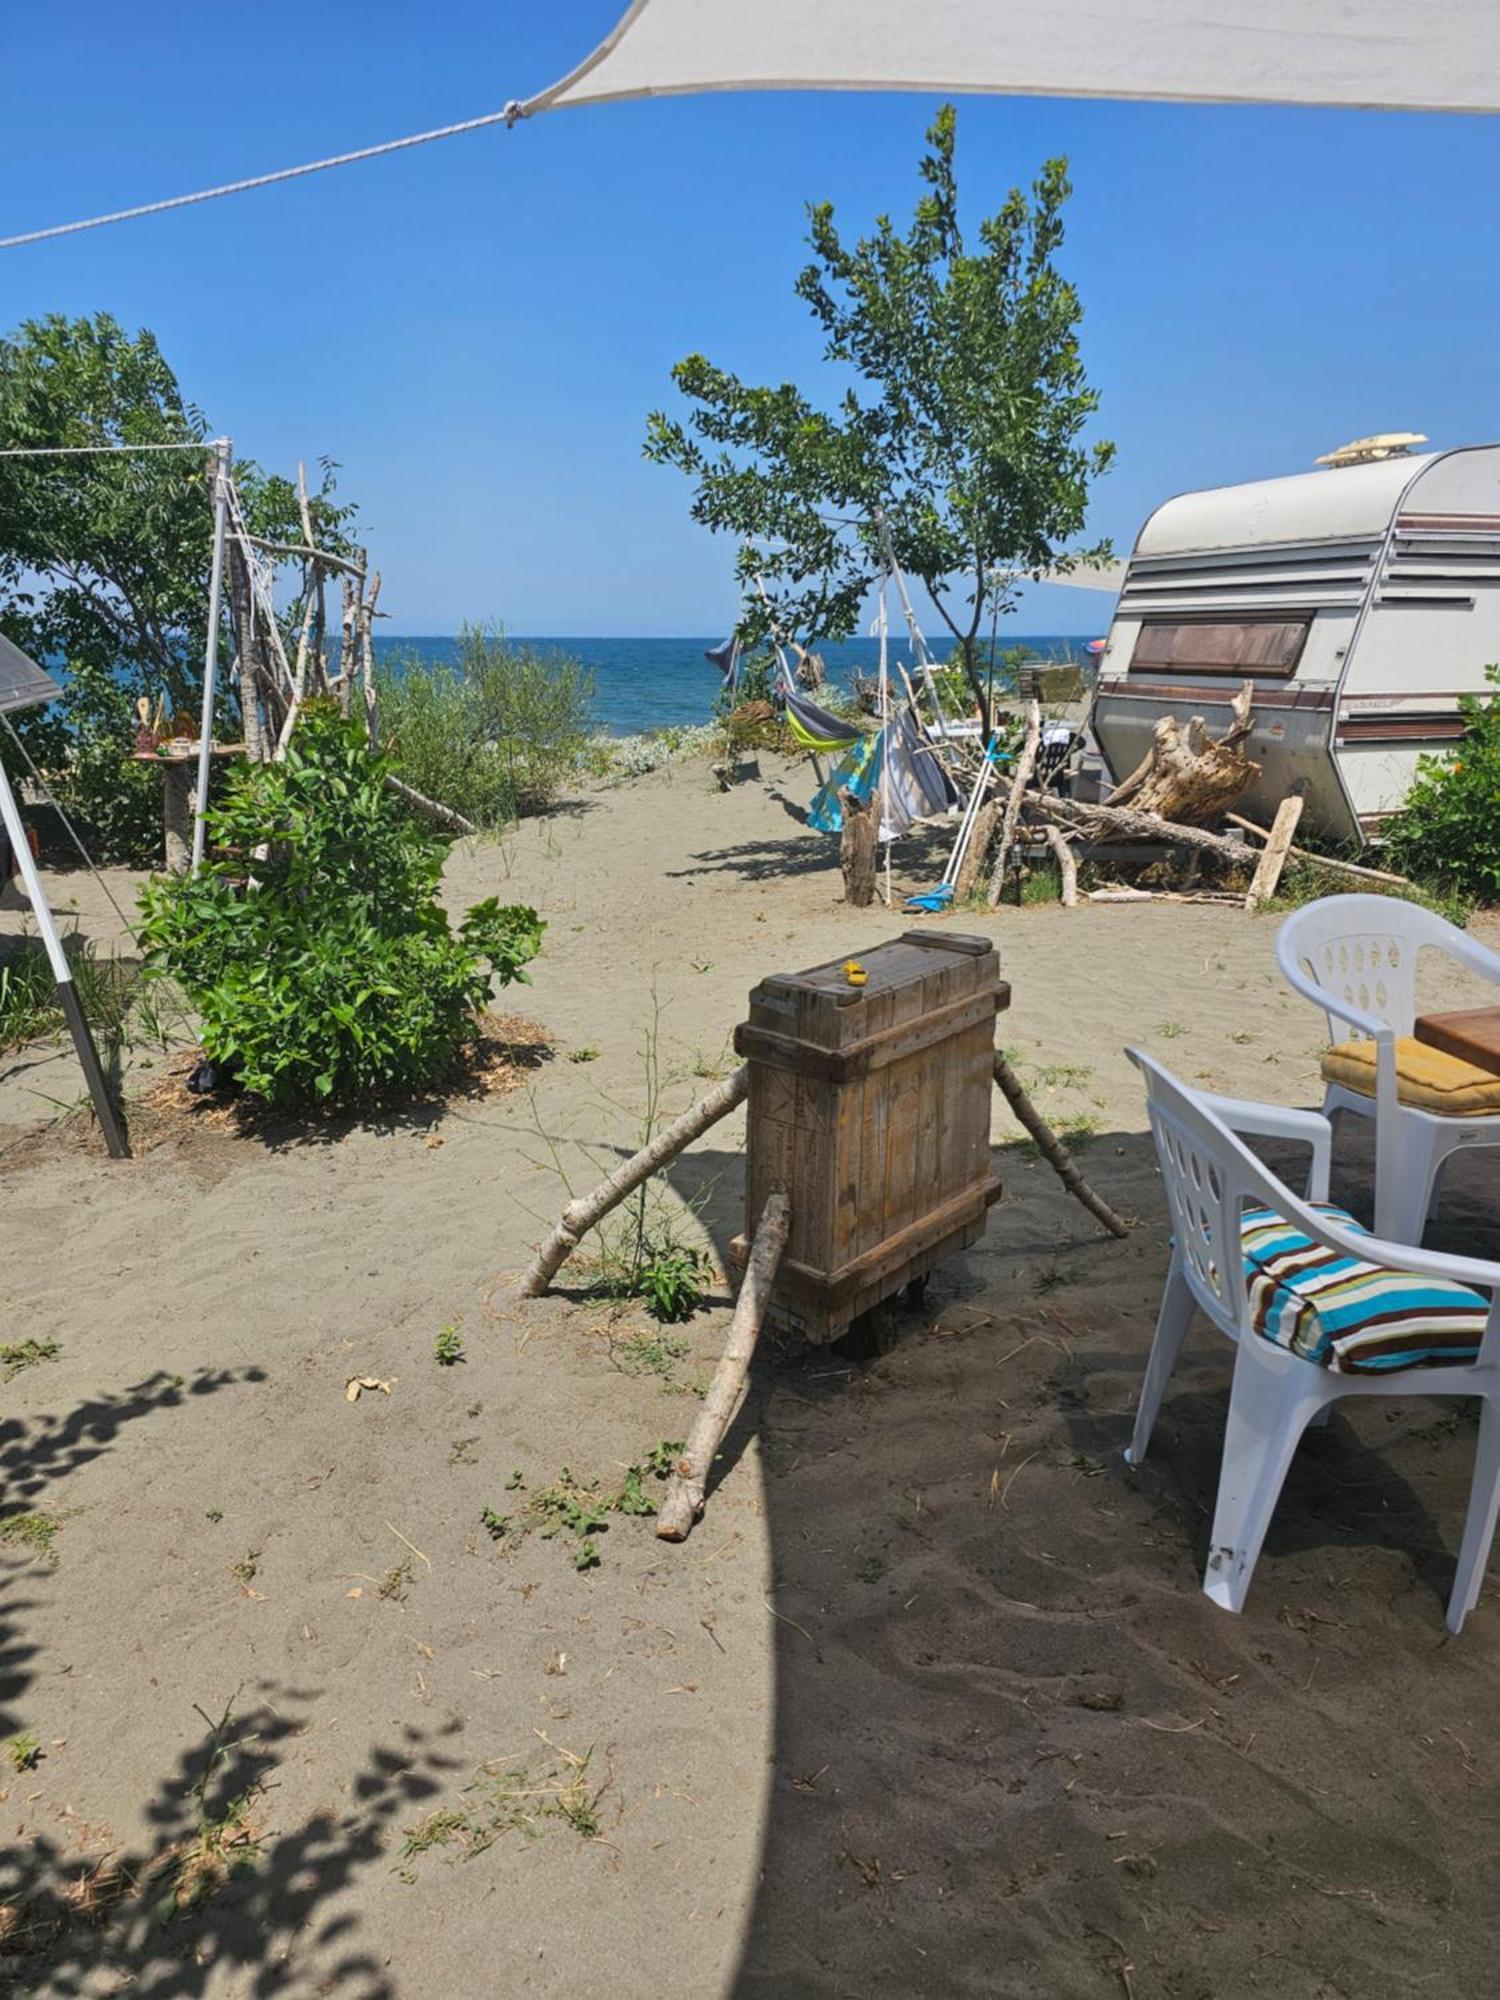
x=1180, y=797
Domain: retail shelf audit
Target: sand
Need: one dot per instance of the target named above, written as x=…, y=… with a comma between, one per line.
x=930, y=1704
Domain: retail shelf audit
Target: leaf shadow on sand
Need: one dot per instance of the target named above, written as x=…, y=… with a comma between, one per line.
x=154, y=1919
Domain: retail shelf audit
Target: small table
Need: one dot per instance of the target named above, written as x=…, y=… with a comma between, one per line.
x=1470, y=1033
x=178, y=764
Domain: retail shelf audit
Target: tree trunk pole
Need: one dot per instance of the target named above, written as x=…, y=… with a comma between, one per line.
x=1052, y=1149
x=580, y=1216
x=1025, y=764
x=684, y=1497
x=857, y=852
x=1067, y=867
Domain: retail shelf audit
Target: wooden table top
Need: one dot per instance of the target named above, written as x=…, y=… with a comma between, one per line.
x=1471, y=1033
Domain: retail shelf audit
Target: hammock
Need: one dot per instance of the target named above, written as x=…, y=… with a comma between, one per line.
x=813, y=727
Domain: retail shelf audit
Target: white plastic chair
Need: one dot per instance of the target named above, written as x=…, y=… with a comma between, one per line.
x=1356, y=958
x=1210, y=1177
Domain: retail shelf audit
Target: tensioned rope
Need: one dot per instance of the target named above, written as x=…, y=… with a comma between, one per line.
x=93, y=450
x=51, y=799
x=508, y=116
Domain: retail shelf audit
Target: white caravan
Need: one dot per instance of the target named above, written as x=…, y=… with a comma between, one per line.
x=1361, y=601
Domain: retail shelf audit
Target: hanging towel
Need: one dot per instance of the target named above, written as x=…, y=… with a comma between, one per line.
x=814, y=728
x=916, y=784
x=855, y=772
x=726, y=657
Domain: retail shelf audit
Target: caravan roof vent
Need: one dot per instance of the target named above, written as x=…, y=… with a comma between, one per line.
x=1365, y=451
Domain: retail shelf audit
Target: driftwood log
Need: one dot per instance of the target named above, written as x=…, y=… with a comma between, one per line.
x=1273, y=860
x=857, y=851
x=1067, y=867
x=1053, y=1150
x=683, y=1502
x=1189, y=776
x=1025, y=765
x=1125, y=823
x=581, y=1216
x=444, y=815
x=977, y=851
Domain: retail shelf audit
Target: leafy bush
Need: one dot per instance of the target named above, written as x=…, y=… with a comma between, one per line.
x=334, y=977
x=1449, y=828
x=493, y=736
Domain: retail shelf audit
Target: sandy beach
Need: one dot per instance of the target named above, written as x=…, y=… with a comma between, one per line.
x=929, y=1704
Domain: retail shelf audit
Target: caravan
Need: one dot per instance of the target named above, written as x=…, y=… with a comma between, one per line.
x=1362, y=602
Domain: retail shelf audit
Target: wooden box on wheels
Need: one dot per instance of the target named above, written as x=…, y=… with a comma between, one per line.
x=869, y=1105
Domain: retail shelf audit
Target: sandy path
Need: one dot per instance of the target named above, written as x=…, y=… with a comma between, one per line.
x=931, y=1704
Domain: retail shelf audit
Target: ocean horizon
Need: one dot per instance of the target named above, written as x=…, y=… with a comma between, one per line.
x=645, y=684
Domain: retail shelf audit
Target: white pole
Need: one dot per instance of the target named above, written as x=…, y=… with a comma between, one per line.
x=62, y=973
x=211, y=645
x=885, y=737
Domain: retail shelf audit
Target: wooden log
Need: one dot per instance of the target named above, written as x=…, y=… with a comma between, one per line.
x=1133, y=825
x=683, y=1502
x=1332, y=863
x=1025, y=764
x=1188, y=776
x=366, y=628
x=581, y=1216
x=857, y=851
x=1067, y=867
x=1268, y=868
x=1052, y=1149
x=977, y=851
x=444, y=815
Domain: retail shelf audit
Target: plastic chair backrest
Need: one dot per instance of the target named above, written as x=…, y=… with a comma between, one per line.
x=1364, y=949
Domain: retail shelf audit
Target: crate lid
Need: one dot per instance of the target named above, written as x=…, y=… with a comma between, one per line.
x=905, y=976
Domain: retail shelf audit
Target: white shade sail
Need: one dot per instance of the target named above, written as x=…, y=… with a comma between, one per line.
x=1425, y=55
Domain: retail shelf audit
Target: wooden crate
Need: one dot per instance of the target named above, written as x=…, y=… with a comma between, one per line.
x=870, y=1106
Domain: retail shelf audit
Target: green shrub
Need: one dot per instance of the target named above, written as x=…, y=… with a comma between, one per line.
x=1449, y=829
x=493, y=736
x=335, y=977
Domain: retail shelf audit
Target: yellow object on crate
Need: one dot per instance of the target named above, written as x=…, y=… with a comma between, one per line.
x=854, y=973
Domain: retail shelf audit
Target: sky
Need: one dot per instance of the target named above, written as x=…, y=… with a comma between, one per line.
x=476, y=330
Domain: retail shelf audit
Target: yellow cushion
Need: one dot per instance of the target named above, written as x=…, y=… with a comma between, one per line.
x=1427, y=1078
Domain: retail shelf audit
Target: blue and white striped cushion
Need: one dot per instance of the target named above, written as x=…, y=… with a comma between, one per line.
x=1346, y=1315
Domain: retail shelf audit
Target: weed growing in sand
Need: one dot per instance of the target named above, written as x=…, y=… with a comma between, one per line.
x=580, y=1513
x=24, y=1751
x=653, y=1354
x=463, y=1451
x=870, y=1569
x=506, y=1799
x=588, y=1053
x=213, y=1515
x=448, y=1348
x=515, y=1482
x=22, y=1354
x=247, y=1568
x=35, y=1533
x=494, y=1524
x=1064, y=1075
x=1052, y=1277
x=394, y=1584
x=672, y=1280
x=1170, y=1030
x=225, y=1842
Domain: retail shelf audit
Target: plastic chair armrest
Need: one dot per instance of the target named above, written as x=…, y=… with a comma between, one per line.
x=1278, y=1121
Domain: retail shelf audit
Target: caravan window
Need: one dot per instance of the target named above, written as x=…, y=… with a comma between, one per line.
x=1263, y=648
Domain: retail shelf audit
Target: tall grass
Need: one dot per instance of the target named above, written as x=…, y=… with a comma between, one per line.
x=29, y=1010
x=495, y=735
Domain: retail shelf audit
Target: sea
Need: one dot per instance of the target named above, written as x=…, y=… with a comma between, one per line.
x=646, y=684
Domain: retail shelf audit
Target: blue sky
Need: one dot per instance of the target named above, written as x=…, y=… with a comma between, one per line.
x=476, y=330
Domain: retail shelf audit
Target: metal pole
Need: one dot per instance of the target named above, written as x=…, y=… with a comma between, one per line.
x=211, y=645
x=78, y=1026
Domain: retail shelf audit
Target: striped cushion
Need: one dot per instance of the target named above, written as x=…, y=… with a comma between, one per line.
x=1352, y=1317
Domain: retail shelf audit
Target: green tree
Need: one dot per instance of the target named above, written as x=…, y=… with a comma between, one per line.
x=104, y=559
x=961, y=421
